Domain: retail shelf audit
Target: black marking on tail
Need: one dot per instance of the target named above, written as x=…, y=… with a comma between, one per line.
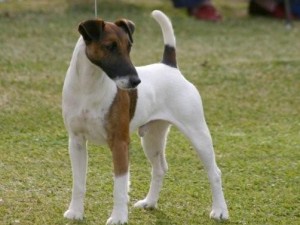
x=169, y=56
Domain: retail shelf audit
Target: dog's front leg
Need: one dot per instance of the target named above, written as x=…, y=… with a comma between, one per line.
x=118, y=140
x=119, y=213
x=78, y=156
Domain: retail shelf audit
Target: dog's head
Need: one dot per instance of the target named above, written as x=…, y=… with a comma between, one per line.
x=108, y=46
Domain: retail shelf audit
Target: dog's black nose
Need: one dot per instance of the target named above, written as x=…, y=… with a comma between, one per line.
x=134, y=81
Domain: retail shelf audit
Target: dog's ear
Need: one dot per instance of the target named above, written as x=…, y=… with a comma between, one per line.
x=91, y=30
x=128, y=26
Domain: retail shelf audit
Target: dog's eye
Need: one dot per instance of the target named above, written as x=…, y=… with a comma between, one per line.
x=111, y=47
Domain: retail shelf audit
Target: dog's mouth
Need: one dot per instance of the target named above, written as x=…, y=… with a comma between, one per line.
x=127, y=82
x=125, y=78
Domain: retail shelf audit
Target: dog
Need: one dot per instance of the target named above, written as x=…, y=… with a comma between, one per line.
x=105, y=98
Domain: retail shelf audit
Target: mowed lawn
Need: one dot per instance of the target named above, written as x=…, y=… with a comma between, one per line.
x=246, y=69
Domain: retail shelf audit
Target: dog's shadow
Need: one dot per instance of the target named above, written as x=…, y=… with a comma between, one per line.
x=161, y=218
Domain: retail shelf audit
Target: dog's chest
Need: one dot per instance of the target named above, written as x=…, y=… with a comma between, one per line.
x=85, y=116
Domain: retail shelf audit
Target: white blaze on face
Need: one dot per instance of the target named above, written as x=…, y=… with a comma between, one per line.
x=127, y=82
x=122, y=82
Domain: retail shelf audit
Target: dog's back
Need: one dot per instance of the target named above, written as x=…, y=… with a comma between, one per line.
x=163, y=85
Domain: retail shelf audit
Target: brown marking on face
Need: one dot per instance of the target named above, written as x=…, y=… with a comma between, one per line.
x=108, y=46
x=113, y=42
x=117, y=127
x=128, y=26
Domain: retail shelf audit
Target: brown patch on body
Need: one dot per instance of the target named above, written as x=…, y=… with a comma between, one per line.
x=118, y=137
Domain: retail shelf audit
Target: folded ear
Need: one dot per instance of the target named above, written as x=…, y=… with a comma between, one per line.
x=127, y=25
x=91, y=30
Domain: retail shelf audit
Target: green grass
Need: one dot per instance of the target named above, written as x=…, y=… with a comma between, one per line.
x=248, y=73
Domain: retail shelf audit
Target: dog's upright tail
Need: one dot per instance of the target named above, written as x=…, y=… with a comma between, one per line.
x=169, y=56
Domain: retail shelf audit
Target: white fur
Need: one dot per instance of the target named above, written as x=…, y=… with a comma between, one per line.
x=166, y=26
x=164, y=97
x=122, y=82
x=119, y=213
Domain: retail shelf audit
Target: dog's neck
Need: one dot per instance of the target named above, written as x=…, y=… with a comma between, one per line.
x=89, y=77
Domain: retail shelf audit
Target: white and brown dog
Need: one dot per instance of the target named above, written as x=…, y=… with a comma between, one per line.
x=105, y=98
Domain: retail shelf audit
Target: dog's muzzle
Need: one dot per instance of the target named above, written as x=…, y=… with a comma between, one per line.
x=127, y=82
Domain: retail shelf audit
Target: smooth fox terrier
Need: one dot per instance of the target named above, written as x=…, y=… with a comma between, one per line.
x=105, y=98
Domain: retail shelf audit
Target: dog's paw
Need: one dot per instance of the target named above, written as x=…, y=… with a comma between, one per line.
x=119, y=215
x=114, y=221
x=73, y=215
x=145, y=204
x=220, y=213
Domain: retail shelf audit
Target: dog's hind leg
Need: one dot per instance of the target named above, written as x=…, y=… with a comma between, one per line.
x=198, y=133
x=78, y=155
x=154, y=142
